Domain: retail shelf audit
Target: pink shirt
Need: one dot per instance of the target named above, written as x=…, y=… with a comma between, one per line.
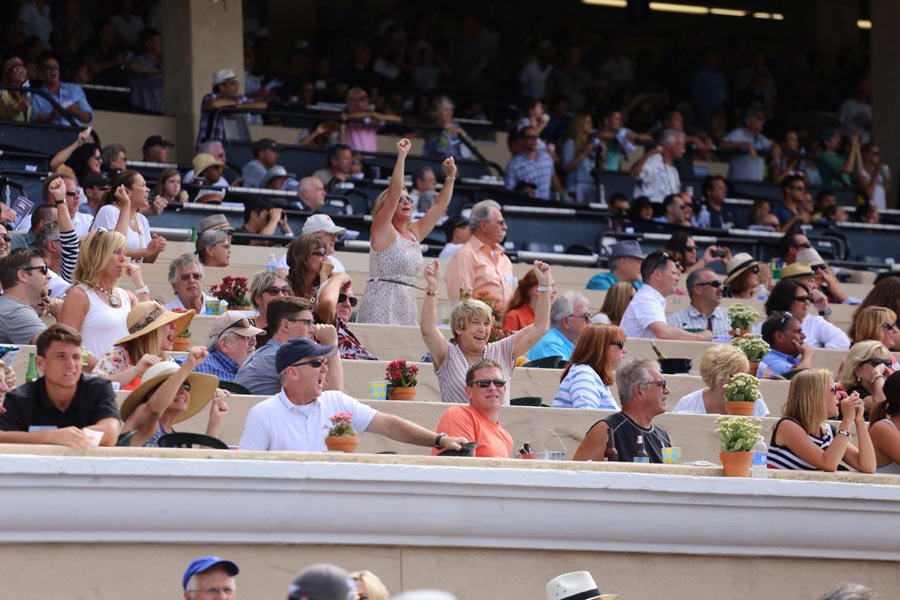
x=479, y=267
x=360, y=137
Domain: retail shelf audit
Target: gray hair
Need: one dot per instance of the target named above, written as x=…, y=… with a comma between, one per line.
x=614, y=263
x=850, y=591
x=306, y=184
x=208, y=146
x=439, y=103
x=110, y=152
x=183, y=261
x=481, y=212
x=208, y=239
x=565, y=304
x=694, y=278
x=632, y=372
x=670, y=135
x=48, y=232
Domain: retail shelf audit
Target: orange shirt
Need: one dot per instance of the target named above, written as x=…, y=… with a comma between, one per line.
x=462, y=420
x=518, y=318
x=479, y=267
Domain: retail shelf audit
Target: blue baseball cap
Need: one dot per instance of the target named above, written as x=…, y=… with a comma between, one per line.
x=198, y=565
x=297, y=349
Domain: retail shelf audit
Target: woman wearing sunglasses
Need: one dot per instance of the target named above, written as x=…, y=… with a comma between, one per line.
x=879, y=324
x=395, y=256
x=265, y=287
x=744, y=276
x=884, y=427
x=171, y=394
x=308, y=265
x=864, y=371
x=334, y=305
x=790, y=295
x=585, y=381
x=805, y=440
x=5, y=239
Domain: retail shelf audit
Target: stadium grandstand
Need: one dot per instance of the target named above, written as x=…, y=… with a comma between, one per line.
x=587, y=229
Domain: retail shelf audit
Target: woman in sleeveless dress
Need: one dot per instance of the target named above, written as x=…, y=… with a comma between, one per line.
x=804, y=440
x=884, y=427
x=96, y=307
x=395, y=257
x=129, y=192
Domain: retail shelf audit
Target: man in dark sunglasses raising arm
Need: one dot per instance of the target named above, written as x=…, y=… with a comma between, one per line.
x=297, y=418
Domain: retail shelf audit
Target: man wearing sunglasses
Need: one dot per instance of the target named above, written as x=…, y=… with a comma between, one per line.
x=788, y=350
x=824, y=278
x=797, y=203
x=297, y=417
x=642, y=392
x=232, y=338
x=186, y=277
x=790, y=244
x=704, y=312
x=645, y=316
x=478, y=421
x=24, y=276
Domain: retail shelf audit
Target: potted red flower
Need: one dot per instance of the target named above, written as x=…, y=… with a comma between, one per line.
x=402, y=381
x=232, y=290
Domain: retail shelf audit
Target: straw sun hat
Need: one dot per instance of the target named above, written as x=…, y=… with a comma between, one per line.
x=148, y=316
x=203, y=387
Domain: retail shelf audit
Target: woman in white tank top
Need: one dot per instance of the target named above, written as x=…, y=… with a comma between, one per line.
x=129, y=192
x=884, y=427
x=96, y=307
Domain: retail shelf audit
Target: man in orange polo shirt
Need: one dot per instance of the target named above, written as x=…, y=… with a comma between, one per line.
x=477, y=421
x=482, y=265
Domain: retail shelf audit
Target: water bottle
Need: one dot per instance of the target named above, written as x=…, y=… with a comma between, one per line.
x=703, y=219
x=761, y=292
x=272, y=263
x=760, y=460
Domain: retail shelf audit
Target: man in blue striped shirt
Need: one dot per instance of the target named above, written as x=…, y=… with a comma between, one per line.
x=231, y=339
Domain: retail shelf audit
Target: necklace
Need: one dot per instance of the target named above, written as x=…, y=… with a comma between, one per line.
x=113, y=300
x=466, y=360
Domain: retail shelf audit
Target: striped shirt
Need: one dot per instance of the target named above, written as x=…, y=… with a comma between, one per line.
x=583, y=388
x=69, y=243
x=781, y=457
x=452, y=372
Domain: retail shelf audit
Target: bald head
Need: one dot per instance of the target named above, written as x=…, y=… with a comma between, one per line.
x=312, y=193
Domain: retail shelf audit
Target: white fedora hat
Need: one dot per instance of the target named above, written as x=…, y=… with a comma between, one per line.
x=575, y=586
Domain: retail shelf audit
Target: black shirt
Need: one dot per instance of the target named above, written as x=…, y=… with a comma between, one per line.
x=624, y=432
x=28, y=406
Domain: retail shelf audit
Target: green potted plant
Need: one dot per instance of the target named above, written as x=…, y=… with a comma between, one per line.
x=341, y=435
x=739, y=436
x=754, y=347
x=741, y=394
x=401, y=379
x=742, y=318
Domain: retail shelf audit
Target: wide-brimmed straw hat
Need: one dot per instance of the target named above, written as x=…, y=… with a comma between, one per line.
x=148, y=316
x=797, y=270
x=203, y=387
x=203, y=161
x=738, y=264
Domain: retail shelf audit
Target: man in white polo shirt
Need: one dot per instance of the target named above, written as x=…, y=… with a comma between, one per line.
x=645, y=316
x=297, y=418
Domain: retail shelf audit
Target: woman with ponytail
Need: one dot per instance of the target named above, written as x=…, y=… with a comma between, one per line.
x=884, y=427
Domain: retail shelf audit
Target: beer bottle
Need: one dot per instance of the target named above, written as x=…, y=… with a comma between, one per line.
x=32, y=373
x=611, y=454
x=640, y=452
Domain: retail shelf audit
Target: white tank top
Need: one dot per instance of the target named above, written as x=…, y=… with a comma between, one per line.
x=103, y=325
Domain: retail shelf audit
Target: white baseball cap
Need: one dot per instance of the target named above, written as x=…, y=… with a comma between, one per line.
x=321, y=222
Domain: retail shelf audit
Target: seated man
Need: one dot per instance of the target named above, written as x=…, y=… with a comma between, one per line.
x=645, y=316
x=232, y=338
x=705, y=311
x=673, y=211
x=217, y=221
x=478, y=421
x=265, y=156
x=186, y=277
x=784, y=334
x=642, y=392
x=335, y=305
x=311, y=194
x=54, y=408
x=340, y=159
x=287, y=317
x=824, y=280
x=156, y=149
x=24, y=276
x=262, y=217
x=624, y=265
x=569, y=315
x=297, y=417
x=209, y=573
x=456, y=229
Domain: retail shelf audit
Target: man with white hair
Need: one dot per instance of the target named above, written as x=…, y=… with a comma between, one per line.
x=656, y=174
x=642, y=393
x=186, y=278
x=210, y=577
x=311, y=193
x=482, y=264
x=569, y=315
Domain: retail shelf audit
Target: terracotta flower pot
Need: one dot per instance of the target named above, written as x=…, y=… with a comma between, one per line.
x=181, y=344
x=736, y=464
x=342, y=443
x=741, y=409
x=754, y=366
x=402, y=393
x=739, y=332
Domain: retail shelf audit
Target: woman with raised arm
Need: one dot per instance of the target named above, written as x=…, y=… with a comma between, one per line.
x=395, y=257
x=471, y=322
x=128, y=188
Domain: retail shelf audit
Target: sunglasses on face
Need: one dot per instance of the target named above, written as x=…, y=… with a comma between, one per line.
x=890, y=326
x=43, y=269
x=661, y=383
x=189, y=276
x=486, y=383
x=308, y=322
x=801, y=298
x=585, y=316
x=314, y=363
x=803, y=245
x=714, y=283
x=275, y=290
x=879, y=361
x=822, y=267
x=344, y=298
x=619, y=343
x=6, y=237
x=319, y=252
x=690, y=248
x=68, y=193
x=186, y=387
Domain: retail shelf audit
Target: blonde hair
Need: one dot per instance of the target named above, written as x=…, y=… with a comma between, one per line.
x=806, y=399
x=97, y=248
x=616, y=301
x=720, y=362
x=148, y=343
x=381, y=199
x=859, y=353
x=867, y=323
x=375, y=590
x=465, y=311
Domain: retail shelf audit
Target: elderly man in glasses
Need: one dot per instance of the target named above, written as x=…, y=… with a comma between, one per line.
x=210, y=577
x=298, y=416
x=704, y=312
x=478, y=421
x=642, y=392
x=231, y=340
x=569, y=315
x=186, y=277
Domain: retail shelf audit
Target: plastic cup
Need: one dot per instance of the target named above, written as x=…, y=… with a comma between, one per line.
x=93, y=435
x=671, y=456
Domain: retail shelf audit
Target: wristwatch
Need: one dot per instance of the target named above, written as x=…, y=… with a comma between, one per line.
x=437, y=440
x=825, y=312
x=843, y=432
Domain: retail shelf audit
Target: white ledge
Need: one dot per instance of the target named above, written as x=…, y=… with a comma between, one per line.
x=135, y=500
